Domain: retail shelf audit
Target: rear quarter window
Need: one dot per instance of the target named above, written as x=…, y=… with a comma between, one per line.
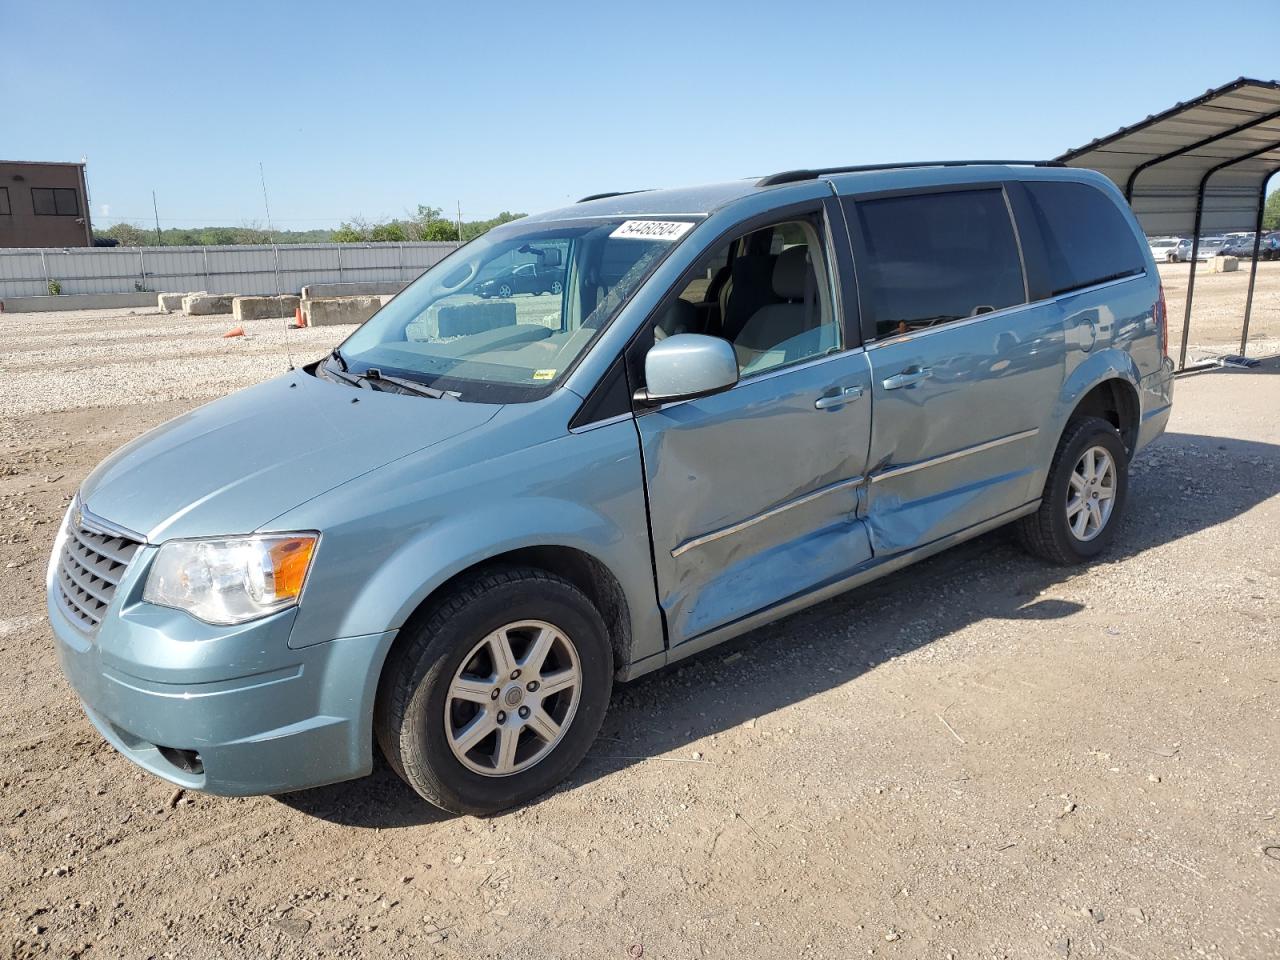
x=1087, y=240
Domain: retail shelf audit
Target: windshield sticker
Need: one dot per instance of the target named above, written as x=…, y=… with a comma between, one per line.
x=544, y=374
x=664, y=230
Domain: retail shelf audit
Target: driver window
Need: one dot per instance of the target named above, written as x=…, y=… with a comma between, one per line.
x=767, y=292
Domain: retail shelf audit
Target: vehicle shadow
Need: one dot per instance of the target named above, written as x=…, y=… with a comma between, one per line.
x=1183, y=484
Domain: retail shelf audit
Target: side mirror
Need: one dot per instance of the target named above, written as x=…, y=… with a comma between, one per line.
x=686, y=366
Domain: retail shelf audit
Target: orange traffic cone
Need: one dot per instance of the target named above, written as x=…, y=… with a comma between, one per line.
x=298, y=320
x=234, y=332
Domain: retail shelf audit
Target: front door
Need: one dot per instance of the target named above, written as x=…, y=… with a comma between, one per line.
x=965, y=371
x=754, y=493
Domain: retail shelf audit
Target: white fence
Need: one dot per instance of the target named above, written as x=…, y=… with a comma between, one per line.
x=283, y=268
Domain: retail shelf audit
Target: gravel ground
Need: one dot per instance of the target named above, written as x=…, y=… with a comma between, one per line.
x=983, y=757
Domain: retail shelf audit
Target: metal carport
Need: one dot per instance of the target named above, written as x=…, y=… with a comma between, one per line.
x=1199, y=167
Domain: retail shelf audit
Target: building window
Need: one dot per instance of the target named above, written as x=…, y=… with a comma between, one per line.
x=55, y=201
x=5, y=210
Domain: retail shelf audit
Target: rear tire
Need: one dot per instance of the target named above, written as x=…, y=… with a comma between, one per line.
x=415, y=720
x=1074, y=522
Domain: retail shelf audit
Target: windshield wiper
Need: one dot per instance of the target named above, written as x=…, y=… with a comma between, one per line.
x=411, y=386
x=374, y=375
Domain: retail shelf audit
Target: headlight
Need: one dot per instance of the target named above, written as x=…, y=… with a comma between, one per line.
x=231, y=580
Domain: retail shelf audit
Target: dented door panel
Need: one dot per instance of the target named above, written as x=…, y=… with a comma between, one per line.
x=755, y=493
x=961, y=445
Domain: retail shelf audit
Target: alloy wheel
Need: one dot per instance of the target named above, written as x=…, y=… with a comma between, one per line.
x=513, y=698
x=1091, y=493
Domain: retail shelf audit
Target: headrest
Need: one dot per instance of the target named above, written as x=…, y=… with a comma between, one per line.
x=791, y=273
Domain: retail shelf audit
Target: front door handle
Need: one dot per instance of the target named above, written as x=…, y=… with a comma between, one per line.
x=907, y=377
x=847, y=395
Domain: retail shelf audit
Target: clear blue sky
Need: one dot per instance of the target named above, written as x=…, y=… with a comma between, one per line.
x=371, y=108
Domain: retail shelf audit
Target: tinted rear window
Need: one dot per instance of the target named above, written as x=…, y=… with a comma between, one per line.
x=1087, y=239
x=934, y=258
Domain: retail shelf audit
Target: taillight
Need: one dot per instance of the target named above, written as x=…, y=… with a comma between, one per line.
x=1162, y=323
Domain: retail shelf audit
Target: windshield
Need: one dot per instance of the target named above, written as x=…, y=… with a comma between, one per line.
x=508, y=315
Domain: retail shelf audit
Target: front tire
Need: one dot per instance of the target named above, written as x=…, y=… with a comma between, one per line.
x=495, y=694
x=1083, y=496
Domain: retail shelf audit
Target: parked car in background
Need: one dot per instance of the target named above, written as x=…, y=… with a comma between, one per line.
x=523, y=278
x=1238, y=245
x=1170, y=249
x=1210, y=247
x=468, y=525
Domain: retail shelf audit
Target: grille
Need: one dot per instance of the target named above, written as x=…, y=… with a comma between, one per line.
x=89, y=570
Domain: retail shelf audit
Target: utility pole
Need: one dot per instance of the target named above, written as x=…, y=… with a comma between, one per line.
x=265, y=203
x=156, y=210
x=459, y=222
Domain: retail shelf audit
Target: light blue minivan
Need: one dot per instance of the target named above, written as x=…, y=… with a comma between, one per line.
x=450, y=536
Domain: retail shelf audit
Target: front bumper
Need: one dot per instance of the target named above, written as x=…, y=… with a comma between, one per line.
x=226, y=710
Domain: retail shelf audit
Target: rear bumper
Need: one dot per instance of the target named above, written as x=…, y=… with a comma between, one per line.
x=294, y=718
x=1156, y=399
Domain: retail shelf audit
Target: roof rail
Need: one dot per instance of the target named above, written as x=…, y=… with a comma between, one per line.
x=795, y=176
x=611, y=193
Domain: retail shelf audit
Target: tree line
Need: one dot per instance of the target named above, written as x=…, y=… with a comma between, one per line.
x=426, y=223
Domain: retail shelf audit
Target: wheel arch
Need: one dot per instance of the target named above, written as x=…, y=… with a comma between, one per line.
x=584, y=570
x=1116, y=401
x=1106, y=387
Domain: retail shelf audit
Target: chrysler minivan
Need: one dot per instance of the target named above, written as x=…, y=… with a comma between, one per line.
x=447, y=538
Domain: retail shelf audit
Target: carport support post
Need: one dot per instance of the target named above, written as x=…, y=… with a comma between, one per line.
x=1253, y=269
x=1191, y=280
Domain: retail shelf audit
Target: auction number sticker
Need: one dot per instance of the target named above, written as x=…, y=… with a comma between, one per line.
x=664, y=230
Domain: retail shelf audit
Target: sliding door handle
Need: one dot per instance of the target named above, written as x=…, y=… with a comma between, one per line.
x=906, y=378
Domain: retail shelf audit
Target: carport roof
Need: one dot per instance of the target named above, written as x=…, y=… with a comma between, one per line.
x=1198, y=167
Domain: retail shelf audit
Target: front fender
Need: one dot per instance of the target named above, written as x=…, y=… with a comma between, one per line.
x=394, y=536
x=444, y=550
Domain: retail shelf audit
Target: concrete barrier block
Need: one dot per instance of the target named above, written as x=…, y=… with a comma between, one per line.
x=1225, y=264
x=354, y=288
x=169, y=302
x=206, y=304
x=263, y=308
x=333, y=311
x=76, y=301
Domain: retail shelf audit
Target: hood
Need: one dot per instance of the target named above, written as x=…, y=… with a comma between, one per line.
x=233, y=465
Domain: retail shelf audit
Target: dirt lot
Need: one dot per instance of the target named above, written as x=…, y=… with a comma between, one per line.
x=984, y=757
x=1217, y=315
